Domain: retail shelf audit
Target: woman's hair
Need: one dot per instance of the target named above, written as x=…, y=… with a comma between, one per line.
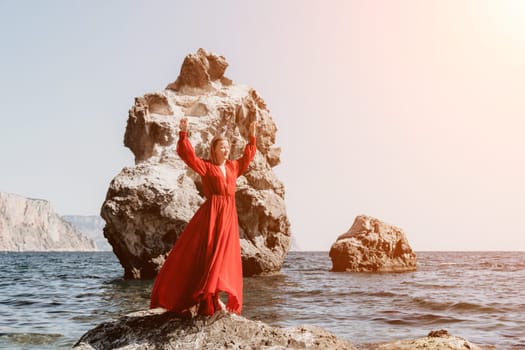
x=213, y=143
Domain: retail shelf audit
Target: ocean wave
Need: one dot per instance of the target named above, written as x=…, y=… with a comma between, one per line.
x=338, y=294
x=456, y=306
x=379, y=294
x=418, y=319
x=465, y=306
x=30, y=338
x=18, y=302
x=429, y=285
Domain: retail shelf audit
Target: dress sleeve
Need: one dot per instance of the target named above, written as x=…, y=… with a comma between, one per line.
x=187, y=153
x=247, y=157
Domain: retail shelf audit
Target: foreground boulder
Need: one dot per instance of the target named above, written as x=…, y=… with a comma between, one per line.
x=156, y=329
x=372, y=246
x=148, y=205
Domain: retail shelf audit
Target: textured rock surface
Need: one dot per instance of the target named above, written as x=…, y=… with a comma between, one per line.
x=32, y=225
x=148, y=205
x=155, y=329
x=436, y=340
x=91, y=226
x=372, y=246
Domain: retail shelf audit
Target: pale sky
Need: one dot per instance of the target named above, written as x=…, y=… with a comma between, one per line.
x=409, y=111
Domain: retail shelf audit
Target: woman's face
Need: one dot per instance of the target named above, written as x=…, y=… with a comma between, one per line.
x=222, y=151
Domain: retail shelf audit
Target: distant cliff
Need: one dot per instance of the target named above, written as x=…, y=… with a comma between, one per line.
x=91, y=226
x=31, y=225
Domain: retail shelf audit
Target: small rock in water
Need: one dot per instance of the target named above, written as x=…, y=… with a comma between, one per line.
x=372, y=246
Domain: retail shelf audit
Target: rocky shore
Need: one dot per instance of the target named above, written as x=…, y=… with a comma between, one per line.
x=148, y=205
x=157, y=329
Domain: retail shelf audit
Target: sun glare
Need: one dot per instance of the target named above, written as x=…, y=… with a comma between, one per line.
x=507, y=18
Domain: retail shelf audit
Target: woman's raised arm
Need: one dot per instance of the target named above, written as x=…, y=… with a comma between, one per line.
x=185, y=149
x=249, y=150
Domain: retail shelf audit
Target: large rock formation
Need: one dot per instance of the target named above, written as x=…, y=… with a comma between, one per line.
x=148, y=205
x=91, y=226
x=31, y=225
x=156, y=329
x=372, y=246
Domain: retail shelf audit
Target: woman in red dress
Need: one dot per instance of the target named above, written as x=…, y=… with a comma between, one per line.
x=206, y=258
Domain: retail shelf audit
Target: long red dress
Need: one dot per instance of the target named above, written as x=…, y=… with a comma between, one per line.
x=206, y=258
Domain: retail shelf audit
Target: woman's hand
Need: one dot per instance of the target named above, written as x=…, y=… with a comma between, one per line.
x=183, y=124
x=253, y=128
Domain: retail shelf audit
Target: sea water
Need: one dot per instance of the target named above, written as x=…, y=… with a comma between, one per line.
x=49, y=300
